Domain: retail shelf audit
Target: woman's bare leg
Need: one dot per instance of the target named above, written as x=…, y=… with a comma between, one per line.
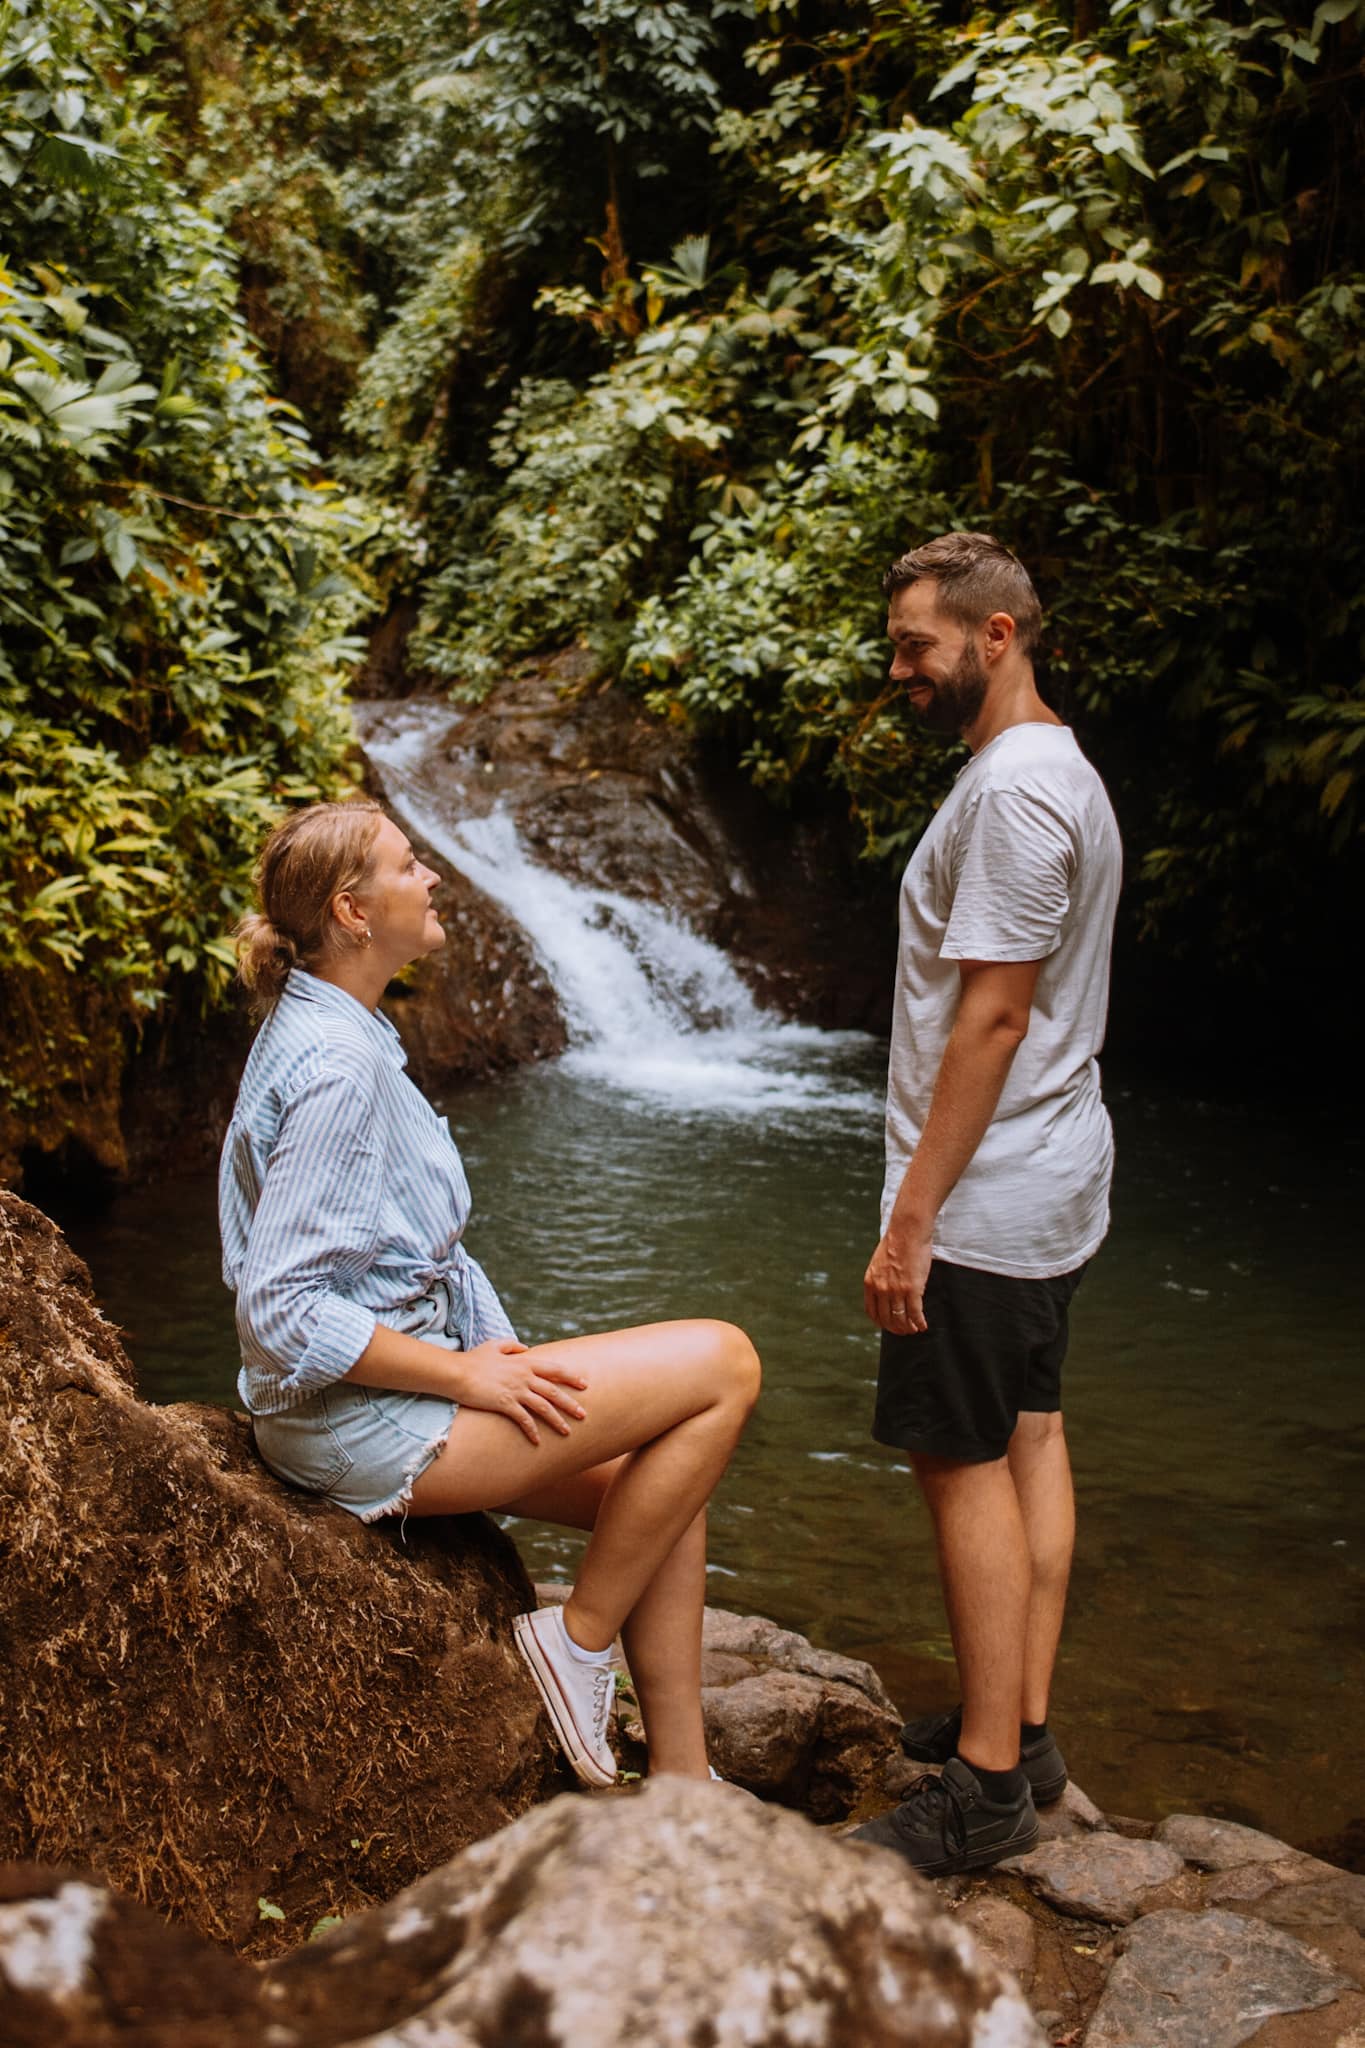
x=662, y=1635
x=673, y=1395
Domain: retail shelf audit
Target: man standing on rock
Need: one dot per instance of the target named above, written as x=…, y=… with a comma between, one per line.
x=998, y=1160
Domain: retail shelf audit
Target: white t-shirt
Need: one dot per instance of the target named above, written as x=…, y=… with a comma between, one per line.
x=1022, y=862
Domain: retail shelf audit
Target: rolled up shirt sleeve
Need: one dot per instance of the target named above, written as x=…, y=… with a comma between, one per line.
x=313, y=1235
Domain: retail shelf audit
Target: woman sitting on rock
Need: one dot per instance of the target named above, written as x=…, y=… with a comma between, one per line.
x=378, y=1363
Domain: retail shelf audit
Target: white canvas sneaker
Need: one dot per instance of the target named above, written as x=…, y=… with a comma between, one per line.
x=577, y=1696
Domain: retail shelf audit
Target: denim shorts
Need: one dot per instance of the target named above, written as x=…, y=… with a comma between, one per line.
x=363, y=1447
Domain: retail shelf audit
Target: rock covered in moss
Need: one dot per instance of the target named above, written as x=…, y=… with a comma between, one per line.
x=214, y=1690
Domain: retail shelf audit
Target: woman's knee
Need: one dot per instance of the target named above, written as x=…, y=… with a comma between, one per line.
x=736, y=1362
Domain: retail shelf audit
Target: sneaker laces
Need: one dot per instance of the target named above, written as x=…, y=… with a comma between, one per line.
x=936, y=1807
x=603, y=1691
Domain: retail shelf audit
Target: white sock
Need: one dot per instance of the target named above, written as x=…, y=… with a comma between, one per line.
x=577, y=1652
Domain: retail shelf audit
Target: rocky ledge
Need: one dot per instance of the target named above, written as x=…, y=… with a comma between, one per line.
x=683, y=1913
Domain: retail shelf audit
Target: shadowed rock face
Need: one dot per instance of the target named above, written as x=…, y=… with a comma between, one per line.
x=213, y=1689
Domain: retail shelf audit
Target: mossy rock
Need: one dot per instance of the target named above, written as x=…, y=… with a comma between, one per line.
x=216, y=1691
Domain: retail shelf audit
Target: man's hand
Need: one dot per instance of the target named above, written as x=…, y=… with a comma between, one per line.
x=893, y=1285
x=991, y=1023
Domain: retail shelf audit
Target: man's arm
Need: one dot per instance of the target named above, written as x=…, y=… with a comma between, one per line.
x=991, y=1024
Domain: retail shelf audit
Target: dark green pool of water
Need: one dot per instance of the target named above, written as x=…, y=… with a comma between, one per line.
x=1214, y=1658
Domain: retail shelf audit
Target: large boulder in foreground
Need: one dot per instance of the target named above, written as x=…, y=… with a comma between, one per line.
x=682, y=1914
x=214, y=1691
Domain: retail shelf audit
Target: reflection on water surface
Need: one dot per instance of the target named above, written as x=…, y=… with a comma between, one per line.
x=1214, y=1656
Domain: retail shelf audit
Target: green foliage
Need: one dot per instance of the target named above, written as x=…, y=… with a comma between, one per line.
x=602, y=483
x=662, y=329
x=1115, y=317
x=688, y=317
x=173, y=589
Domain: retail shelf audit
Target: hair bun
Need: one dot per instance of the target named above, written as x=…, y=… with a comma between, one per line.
x=265, y=956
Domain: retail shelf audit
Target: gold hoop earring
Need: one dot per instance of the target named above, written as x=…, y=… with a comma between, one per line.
x=367, y=937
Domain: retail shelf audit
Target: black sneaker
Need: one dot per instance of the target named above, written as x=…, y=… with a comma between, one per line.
x=947, y=1824
x=934, y=1741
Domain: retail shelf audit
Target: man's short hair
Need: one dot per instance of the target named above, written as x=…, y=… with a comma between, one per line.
x=976, y=575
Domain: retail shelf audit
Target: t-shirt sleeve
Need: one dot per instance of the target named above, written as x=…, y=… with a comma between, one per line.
x=1015, y=860
x=313, y=1233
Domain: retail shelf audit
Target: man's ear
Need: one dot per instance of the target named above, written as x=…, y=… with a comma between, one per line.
x=999, y=631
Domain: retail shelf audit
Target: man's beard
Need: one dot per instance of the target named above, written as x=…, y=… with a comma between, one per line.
x=958, y=699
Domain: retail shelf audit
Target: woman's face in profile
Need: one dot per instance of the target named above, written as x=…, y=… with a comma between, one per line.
x=397, y=898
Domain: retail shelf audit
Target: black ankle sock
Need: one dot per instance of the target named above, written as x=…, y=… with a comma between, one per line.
x=1032, y=1730
x=1002, y=1787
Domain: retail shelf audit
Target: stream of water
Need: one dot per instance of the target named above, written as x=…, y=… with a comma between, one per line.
x=690, y=1155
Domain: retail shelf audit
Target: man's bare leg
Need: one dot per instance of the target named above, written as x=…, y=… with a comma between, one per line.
x=984, y=1566
x=1041, y=1472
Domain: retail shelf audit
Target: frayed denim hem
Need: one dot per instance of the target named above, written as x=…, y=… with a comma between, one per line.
x=400, y=1503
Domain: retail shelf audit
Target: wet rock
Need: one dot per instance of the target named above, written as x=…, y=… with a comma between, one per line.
x=1312, y=1900
x=215, y=1690
x=1308, y=1904
x=80, y=1967
x=762, y=1642
x=1004, y=1931
x=1075, y=1813
x=1205, y=1980
x=790, y=1722
x=1218, y=1844
x=683, y=1914
x=1250, y=1881
x=1306, y=1893
x=1098, y=1877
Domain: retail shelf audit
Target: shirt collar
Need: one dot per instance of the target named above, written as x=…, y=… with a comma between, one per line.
x=309, y=988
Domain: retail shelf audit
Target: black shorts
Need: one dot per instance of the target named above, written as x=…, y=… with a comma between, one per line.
x=992, y=1352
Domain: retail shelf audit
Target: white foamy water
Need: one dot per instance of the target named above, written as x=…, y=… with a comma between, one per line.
x=651, y=1006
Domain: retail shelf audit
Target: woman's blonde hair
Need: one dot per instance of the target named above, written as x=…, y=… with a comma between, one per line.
x=305, y=862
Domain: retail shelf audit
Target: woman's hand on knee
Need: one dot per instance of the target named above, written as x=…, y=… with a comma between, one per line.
x=500, y=1378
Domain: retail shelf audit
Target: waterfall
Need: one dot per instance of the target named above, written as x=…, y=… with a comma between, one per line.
x=651, y=1006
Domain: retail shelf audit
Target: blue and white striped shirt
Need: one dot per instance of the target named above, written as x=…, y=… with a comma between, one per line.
x=341, y=1200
